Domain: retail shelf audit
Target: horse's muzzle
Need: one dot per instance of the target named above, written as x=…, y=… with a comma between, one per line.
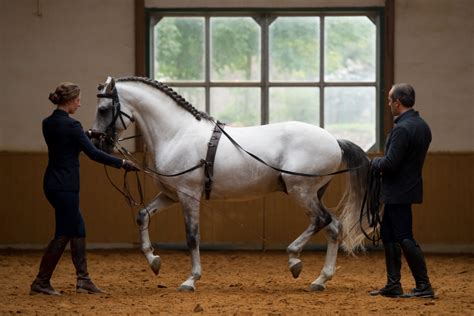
x=103, y=145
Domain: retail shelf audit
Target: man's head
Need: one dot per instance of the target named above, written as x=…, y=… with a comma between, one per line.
x=401, y=98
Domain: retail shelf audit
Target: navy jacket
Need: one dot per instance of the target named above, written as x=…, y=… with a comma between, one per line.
x=66, y=139
x=402, y=163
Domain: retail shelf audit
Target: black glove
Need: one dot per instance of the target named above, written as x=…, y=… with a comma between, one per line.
x=95, y=134
x=129, y=165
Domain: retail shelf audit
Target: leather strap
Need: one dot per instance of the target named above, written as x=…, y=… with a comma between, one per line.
x=210, y=156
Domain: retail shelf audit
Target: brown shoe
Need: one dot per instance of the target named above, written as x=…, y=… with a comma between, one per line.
x=39, y=287
x=88, y=287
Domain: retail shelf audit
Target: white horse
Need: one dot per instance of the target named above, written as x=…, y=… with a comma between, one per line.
x=177, y=136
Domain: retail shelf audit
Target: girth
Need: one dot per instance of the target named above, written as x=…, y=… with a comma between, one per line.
x=210, y=156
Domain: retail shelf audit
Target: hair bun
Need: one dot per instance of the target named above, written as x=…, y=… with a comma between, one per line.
x=64, y=93
x=53, y=97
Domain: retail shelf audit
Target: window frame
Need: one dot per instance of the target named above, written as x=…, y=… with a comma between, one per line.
x=264, y=17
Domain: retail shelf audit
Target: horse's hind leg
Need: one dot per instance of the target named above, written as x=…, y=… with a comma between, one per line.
x=190, y=207
x=332, y=234
x=319, y=218
x=143, y=219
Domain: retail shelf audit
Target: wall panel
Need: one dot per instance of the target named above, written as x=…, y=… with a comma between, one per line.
x=444, y=220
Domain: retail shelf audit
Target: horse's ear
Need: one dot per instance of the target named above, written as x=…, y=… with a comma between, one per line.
x=110, y=84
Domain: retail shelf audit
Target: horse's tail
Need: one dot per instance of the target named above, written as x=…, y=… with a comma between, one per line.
x=350, y=205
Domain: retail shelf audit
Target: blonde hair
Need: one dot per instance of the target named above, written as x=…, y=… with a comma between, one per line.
x=64, y=93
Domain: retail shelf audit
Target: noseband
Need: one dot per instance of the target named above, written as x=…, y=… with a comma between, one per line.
x=116, y=111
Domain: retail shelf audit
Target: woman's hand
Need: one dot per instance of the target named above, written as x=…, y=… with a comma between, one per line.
x=129, y=165
x=95, y=134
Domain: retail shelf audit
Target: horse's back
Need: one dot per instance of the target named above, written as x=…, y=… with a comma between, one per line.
x=292, y=146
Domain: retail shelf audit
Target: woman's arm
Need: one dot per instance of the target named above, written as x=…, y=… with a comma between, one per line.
x=91, y=151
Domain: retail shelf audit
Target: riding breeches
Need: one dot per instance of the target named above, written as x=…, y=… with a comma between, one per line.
x=396, y=223
x=69, y=221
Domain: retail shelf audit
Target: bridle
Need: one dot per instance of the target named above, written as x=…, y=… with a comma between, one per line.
x=116, y=112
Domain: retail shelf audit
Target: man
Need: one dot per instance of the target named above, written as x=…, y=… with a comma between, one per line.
x=402, y=185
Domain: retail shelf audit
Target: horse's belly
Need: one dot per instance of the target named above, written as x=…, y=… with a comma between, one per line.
x=244, y=185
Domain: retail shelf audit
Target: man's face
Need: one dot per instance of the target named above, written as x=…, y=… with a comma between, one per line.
x=393, y=104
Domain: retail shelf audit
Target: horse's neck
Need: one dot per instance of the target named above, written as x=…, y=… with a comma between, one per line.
x=159, y=117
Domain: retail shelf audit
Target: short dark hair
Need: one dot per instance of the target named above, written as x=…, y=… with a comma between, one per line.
x=404, y=93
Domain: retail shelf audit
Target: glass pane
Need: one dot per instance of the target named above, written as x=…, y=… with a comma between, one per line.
x=179, y=49
x=294, y=49
x=294, y=104
x=236, y=106
x=195, y=96
x=349, y=49
x=235, y=49
x=349, y=113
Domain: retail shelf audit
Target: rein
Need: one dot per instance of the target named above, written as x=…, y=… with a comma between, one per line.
x=372, y=201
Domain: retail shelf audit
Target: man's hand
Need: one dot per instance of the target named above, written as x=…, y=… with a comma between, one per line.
x=374, y=165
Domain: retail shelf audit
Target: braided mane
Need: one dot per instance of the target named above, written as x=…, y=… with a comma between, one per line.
x=169, y=92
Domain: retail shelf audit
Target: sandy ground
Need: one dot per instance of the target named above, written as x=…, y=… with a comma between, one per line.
x=233, y=283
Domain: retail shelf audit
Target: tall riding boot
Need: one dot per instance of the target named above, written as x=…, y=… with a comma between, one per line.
x=78, y=254
x=393, y=263
x=416, y=262
x=48, y=263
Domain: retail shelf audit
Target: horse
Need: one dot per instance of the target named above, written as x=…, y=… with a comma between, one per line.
x=177, y=136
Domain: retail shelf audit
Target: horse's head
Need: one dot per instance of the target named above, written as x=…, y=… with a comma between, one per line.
x=112, y=117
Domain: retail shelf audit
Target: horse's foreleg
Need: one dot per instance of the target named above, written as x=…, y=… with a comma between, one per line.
x=318, y=221
x=191, y=220
x=329, y=269
x=143, y=219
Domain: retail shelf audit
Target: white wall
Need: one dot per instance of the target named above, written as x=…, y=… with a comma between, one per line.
x=434, y=51
x=46, y=42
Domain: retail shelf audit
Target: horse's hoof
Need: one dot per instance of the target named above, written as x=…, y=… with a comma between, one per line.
x=316, y=287
x=156, y=265
x=296, y=269
x=186, y=288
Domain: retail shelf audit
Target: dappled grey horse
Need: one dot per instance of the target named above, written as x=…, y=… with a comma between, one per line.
x=177, y=135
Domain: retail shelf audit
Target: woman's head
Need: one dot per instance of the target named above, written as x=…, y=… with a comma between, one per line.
x=67, y=96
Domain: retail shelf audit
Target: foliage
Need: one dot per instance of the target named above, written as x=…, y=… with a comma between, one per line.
x=179, y=49
x=294, y=49
x=235, y=45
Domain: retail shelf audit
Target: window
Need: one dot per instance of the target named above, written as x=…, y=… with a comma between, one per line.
x=251, y=68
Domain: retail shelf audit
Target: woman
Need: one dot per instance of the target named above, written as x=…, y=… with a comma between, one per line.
x=66, y=139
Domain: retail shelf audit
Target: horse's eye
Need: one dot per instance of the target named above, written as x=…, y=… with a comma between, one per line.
x=102, y=110
x=100, y=86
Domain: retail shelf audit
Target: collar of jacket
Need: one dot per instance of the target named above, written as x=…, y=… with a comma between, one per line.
x=409, y=113
x=60, y=112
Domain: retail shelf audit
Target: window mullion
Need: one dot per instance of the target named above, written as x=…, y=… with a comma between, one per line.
x=264, y=73
x=379, y=98
x=321, y=71
x=207, y=64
